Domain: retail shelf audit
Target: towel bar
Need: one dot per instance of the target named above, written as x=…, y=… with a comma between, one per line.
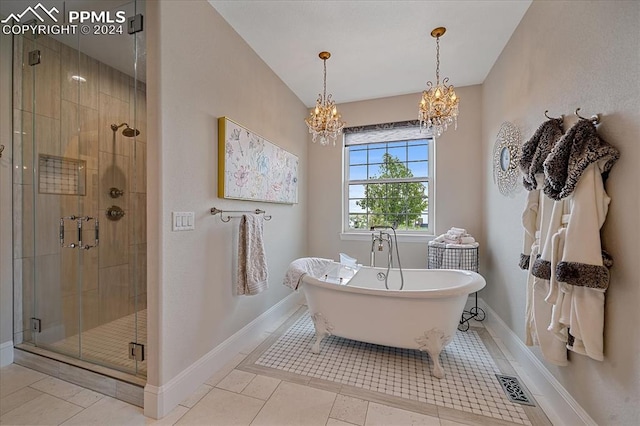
x=215, y=211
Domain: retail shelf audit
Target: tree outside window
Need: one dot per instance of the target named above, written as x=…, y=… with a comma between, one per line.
x=392, y=203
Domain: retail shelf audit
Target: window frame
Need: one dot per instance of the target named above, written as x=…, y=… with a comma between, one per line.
x=364, y=234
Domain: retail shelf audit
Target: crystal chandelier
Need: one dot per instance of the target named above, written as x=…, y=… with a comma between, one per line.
x=439, y=105
x=325, y=121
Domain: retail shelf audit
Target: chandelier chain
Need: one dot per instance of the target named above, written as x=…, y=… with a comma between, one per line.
x=437, y=61
x=324, y=90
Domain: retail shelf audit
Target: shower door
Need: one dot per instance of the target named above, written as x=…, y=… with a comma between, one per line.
x=80, y=192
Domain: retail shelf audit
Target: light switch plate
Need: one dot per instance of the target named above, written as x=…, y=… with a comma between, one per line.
x=183, y=221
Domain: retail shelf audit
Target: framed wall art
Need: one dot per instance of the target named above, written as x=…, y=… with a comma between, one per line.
x=252, y=168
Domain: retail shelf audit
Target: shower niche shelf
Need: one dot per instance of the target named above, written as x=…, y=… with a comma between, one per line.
x=60, y=175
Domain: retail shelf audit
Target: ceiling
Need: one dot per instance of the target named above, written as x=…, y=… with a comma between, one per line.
x=378, y=48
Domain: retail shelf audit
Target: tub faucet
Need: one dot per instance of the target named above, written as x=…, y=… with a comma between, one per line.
x=377, y=241
x=373, y=228
x=380, y=239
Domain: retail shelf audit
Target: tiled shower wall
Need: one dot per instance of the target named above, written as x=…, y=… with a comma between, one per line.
x=59, y=116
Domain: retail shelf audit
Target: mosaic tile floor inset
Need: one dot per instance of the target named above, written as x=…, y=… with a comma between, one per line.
x=469, y=384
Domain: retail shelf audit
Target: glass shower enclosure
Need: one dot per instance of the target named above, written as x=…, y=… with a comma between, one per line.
x=79, y=189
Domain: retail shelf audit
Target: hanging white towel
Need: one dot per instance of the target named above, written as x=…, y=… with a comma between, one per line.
x=252, y=263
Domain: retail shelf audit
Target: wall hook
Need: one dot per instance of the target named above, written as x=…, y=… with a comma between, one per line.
x=551, y=118
x=595, y=119
x=1, y=149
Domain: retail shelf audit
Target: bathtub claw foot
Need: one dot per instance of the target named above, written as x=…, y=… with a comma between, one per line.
x=432, y=343
x=316, y=346
x=437, y=372
x=323, y=329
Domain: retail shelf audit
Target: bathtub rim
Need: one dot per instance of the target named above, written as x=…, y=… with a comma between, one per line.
x=476, y=283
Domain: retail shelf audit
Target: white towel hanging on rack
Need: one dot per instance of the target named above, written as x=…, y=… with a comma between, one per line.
x=253, y=276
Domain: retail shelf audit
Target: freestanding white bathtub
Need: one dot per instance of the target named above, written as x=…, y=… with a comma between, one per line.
x=424, y=315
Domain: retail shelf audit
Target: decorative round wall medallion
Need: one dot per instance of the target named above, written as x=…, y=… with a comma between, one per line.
x=506, y=156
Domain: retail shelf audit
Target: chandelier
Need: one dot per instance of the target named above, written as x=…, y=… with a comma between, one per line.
x=439, y=105
x=325, y=121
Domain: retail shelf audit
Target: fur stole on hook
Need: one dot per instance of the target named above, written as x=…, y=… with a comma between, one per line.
x=536, y=150
x=572, y=154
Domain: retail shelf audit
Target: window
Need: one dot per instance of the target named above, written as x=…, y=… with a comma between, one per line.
x=388, y=178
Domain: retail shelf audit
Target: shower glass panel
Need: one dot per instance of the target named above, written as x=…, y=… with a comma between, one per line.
x=80, y=184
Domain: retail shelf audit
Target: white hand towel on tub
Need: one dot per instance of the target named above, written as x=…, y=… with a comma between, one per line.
x=314, y=266
x=252, y=263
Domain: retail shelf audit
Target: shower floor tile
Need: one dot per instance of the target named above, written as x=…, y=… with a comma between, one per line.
x=470, y=384
x=108, y=344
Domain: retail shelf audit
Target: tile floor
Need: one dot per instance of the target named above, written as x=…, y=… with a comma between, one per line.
x=470, y=382
x=105, y=344
x=245, y=393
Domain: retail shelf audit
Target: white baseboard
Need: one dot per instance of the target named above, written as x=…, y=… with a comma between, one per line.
x=6, y=353
x=565, y=408
x=159, y=401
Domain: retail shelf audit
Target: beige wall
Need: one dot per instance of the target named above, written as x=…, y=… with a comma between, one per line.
x=458, y=189
x=564, y=55
x=200, y=69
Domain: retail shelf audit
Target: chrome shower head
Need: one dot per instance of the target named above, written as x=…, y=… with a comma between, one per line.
x=127, y=132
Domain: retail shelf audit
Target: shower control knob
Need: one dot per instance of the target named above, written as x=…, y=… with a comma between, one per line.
x=115, y=213
x=115, y=192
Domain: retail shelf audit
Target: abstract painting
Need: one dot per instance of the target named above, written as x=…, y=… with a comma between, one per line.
x=252, y=168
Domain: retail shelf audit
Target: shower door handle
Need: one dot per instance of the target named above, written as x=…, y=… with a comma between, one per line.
x=79, y=223
x=96, y=228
